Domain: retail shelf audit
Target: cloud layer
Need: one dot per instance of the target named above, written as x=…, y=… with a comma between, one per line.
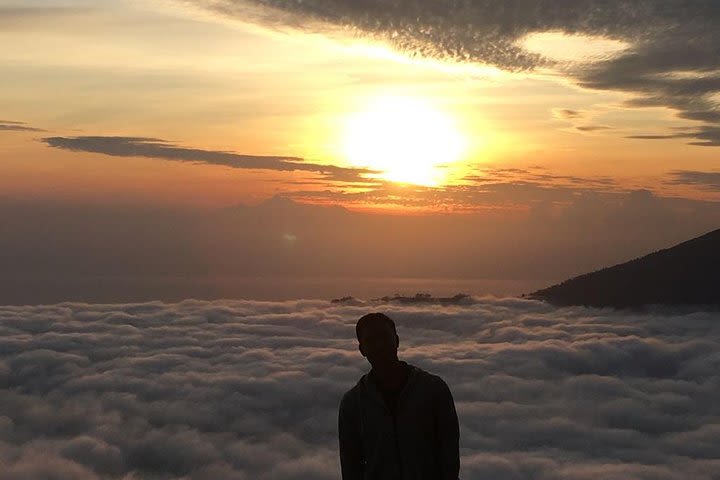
x=672, y=60
x=249, y=390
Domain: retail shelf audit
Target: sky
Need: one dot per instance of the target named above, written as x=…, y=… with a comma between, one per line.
x=516, y=143
x=244, y=390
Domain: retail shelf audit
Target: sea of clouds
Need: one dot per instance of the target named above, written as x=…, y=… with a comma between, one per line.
x=250, y=390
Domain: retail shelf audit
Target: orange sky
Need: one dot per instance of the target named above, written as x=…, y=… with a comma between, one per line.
x=201, y=81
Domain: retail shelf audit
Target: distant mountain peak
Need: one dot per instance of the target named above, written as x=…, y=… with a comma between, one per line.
x=684, y=275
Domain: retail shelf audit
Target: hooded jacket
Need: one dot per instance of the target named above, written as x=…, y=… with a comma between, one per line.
x=421, y=442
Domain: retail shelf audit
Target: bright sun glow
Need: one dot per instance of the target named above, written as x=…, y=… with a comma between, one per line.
x=405, y=138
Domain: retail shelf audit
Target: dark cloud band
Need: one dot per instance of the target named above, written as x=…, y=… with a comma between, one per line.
x=7, y=125
x=705, y=180
x=156, y=148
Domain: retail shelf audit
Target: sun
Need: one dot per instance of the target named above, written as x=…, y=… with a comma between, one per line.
x=405, y=138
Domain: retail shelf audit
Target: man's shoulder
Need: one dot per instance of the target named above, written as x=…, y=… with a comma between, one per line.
x=429, y=379
x=354, y=391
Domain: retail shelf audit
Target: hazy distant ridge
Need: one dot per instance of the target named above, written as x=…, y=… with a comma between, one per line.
x=686, y=274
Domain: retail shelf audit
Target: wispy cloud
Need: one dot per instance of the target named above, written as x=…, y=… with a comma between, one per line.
x=7, y=125
x=161, y=149
x=705, y=180
x=592, y=128
x=568, y=114
x=671, y=59
x=243, y=389
x=705, y=136
x=490, y=188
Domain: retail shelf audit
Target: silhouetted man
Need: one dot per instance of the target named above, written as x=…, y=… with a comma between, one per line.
x=399, y=421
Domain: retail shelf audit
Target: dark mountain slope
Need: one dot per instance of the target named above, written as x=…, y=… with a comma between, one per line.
x=686, y=274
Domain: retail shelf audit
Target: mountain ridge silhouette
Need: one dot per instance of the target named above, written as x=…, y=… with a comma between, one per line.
x=683, y=275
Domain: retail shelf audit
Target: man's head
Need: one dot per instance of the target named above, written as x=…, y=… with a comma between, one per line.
x=377, y=337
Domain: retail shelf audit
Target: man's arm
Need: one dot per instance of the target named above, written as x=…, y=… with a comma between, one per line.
x=351, y=456
x=448, y=434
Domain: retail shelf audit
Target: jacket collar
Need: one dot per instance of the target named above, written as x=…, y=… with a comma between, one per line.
x=372, y=390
